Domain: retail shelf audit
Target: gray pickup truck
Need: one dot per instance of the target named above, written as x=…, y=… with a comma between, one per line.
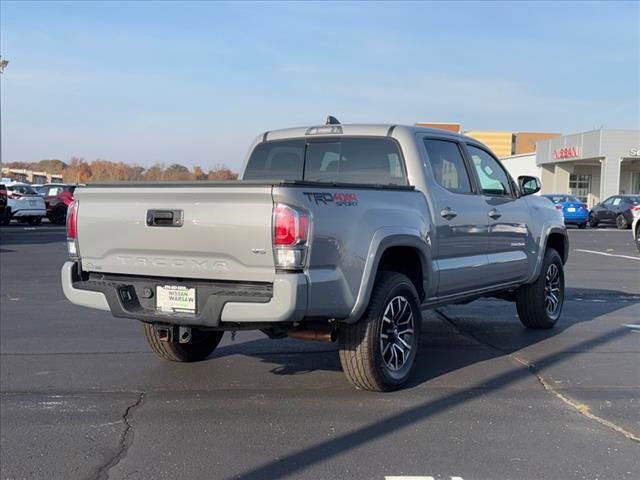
x=335, y=233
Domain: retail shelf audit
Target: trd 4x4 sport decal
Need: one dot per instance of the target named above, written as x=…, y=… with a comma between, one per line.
x=339, y=199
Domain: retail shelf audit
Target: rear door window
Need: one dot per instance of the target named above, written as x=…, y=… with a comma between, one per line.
x=448, y=165
x=373, y=161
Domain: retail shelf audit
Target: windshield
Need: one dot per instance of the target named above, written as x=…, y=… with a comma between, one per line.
x=562, y=198
x=22, y=189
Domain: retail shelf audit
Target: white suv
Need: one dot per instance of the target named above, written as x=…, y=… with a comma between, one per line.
x=24, y=204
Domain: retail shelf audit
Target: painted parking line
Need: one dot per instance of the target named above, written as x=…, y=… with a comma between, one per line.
x=410, y=477
x=607, y=254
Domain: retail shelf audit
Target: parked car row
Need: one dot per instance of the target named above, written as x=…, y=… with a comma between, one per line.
x=28, y=204
x=618, y=210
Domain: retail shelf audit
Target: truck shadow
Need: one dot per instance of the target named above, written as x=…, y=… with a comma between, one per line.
x=452, y=337
x=455, y=338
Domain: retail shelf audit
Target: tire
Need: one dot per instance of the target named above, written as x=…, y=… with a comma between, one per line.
x=202, y=343
x=6, y=218
x=535, y=302
x=367, y=347
x=582, y=226
x=621, y=222
x=637, y=235
x=35, y=221
x=59, y=216
x=593, y=221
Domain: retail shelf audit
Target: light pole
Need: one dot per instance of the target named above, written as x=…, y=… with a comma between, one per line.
x=3, y=64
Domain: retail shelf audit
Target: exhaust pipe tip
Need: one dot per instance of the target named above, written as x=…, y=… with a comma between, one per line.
x=313, y=335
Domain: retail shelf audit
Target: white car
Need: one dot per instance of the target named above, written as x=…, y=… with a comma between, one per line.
x=24, y=204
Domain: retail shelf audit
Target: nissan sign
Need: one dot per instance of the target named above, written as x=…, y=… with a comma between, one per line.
x=566, y=152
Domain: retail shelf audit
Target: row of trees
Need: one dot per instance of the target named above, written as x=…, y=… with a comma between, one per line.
x=77, y=170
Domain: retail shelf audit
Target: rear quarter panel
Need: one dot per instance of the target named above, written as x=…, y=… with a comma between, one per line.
x=349, y=225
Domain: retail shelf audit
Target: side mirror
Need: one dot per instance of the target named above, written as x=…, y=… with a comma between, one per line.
x=529, y=185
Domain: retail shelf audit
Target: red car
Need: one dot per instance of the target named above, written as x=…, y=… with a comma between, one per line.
x=57, y=197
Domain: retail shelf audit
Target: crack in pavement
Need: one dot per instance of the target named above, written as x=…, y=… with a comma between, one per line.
x=126, y=440
x=580, y=408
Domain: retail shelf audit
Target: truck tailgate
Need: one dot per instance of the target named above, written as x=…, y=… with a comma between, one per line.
x=225, y=232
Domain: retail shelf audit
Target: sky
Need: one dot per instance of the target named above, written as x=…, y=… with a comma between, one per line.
x=195, y=83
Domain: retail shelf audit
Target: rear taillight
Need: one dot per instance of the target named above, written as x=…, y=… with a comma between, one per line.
x=72, y=230
x=290, y=237
x=559, y=207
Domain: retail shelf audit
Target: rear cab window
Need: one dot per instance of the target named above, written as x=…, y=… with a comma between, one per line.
x=447, y=165
x=355, y=160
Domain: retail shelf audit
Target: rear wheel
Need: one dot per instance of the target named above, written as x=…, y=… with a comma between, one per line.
x=378, y=352
x=637, y=235
x=199, y=347
x=593, y=221
x=621, y=222
x=582, y=226
x=35, y=220
x=540, y=303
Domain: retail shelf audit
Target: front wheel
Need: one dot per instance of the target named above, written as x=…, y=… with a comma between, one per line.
x=199, y=347
x=593, y=221
x=539, y=304
x=378, y=352
x=621, y=222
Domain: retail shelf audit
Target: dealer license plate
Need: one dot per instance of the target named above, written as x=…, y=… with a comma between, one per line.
x=175, y=299
x=571, y=209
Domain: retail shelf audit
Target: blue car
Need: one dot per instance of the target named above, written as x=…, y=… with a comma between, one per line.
x=573, y=210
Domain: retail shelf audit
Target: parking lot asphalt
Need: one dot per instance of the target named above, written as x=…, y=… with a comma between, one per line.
x=81, y=396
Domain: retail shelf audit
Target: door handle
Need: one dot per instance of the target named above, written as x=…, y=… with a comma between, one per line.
x=495, y=214
x=447, y=213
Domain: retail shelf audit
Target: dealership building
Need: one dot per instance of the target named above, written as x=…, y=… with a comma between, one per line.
x=591, y=165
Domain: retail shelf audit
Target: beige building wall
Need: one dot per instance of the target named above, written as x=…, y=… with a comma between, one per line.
x=546, y=177
x=500, y=143
x=449, y=127
x=561, y=178
x=525, y=142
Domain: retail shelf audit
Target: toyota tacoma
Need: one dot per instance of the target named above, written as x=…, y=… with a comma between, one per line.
x=334, y=232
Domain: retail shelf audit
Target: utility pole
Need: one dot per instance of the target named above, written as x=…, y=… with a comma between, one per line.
x=3, y=64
